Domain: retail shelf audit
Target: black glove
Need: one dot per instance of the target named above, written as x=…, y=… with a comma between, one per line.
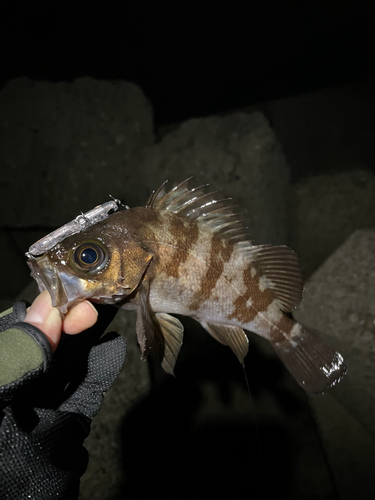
x=48, y=413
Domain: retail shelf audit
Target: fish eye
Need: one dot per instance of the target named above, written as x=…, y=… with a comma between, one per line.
x=89, y=256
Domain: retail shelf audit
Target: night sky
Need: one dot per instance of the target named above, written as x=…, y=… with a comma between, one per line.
x=192, y=61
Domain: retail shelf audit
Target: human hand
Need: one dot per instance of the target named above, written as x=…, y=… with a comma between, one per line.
x=47, y=412
x=48, y=319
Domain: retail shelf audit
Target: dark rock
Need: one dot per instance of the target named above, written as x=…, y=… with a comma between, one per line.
x=327, y=131
x=339, y=303
x=105, y=472
x=327, y=209
x=15, y=274
x=349, y=448
x=180, y=420
x=238, y=153
x=65, y=146
x=198, y=419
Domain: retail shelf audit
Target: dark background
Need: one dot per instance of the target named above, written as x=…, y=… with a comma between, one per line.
x=198, y=59
x=190, y=62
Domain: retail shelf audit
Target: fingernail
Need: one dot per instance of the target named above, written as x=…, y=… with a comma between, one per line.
x=92, y=306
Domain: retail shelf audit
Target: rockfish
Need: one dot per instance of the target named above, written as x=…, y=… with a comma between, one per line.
x=186, y=252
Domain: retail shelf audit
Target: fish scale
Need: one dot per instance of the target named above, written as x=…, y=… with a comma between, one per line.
x=187, y=252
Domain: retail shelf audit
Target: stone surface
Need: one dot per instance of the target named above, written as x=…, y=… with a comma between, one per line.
x=238, y=153
x=185, y=430
x=144, y=440
x=339, y=303
x=15, y=273
x=349, y=447
x=327, y=209
x=105, y=471
x=327, y=131
x=64, y=147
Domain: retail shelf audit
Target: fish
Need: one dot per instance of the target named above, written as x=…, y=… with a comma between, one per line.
x=187, y=252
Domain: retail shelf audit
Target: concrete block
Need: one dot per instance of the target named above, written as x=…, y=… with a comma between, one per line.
x=339, y=303
x=328, y=130
x=349, y=448
x=325, y=210
x=64, y=147
x=105, y=472
x=14, y=274
x=238, y=153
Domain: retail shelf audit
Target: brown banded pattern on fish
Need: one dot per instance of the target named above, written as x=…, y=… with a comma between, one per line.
x=252, y=300
x=181, y=237
x=220, y=252
x=186, y=252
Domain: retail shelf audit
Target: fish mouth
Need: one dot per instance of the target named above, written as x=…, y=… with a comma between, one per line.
x=65, y=290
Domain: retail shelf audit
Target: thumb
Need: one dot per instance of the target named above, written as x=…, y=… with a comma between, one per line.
x=45, y=317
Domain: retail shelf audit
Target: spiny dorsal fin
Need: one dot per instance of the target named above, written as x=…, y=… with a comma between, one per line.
x=208, y=209
x=158, y=193
x=282, y=273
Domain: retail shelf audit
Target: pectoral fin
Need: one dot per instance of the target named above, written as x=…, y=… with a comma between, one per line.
x=148, y=333
x=173, y=331
x=233, y=336
x=159, y=333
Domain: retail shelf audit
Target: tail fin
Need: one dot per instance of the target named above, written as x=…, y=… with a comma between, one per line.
x=314, y=364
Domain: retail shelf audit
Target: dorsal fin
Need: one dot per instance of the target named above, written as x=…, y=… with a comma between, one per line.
x=209, y=209
x=158, y=193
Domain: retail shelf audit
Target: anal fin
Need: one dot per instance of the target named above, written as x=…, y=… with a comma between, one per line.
x=315, y=365
x=233, y=336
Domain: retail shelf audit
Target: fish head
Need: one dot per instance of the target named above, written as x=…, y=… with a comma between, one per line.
x=103, y=264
